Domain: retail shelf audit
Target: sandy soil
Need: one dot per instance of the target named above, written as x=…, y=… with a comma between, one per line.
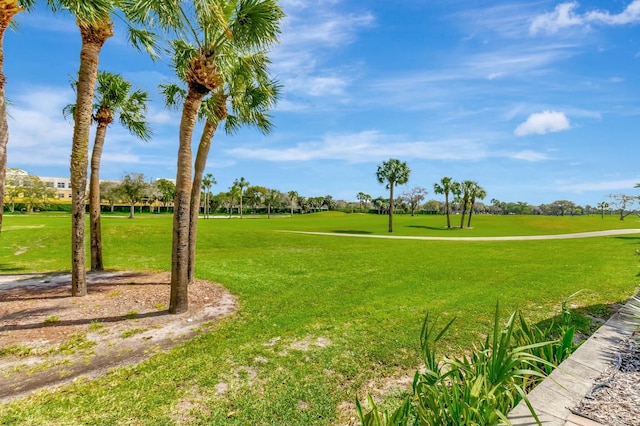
x=48, y=338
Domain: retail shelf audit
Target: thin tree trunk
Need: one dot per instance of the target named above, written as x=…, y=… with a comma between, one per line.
x=200, y=164
x=391, y=206
x=94, y=198
x=464, y=212
x=447, y=209
x=470, y=214
x=93, y=38
x=181, y=212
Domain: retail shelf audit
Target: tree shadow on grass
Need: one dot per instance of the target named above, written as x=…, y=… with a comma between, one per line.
x=6, y=269
x=84, y=321
x=435, y=228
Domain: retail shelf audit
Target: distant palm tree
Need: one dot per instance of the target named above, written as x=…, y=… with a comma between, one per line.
x=113, y=98
x=393, y=172
x=207, y=181
x=445, y=187
x=8, y=10
x=242, y=183
x=477, y=192
x=293, y=196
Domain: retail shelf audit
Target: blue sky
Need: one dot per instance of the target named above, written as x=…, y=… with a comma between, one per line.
x=536, y=101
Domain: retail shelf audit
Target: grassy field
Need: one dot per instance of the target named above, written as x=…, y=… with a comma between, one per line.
x=322, y=319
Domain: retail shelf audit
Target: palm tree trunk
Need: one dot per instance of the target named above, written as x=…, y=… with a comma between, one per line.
x=447, y=208
x=464, y=212
x=391, y=184
x=200, y=164
x=93, y=38
x=6, y=15
x=182, y=203
x=470, y=213
x=94, y=199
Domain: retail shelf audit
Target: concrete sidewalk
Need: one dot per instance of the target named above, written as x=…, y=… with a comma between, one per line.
x=568, y=384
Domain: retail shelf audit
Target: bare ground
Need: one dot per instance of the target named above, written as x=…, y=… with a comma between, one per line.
x=48, y=338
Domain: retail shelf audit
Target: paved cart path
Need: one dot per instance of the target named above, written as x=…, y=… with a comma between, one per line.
x=504, y=238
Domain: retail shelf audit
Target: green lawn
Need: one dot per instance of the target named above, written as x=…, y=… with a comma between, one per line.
x=356, y=303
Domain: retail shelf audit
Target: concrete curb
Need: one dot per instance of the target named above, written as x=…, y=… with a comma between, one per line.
x=569, y=383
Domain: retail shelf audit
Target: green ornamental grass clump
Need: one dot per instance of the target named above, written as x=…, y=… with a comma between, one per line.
x=482, y=387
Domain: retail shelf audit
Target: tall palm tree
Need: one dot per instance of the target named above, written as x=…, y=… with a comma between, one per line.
x=444, y=187
x=230, y=30
x=242, y=183
x=8, y=9
x=243, y=97
x=94, y=19
x=393, y=172
x=293, y=196
x=477, y=193
x=113, y=99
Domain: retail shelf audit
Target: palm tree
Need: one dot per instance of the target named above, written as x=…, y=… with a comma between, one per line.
x=393, y=172
x=242, y=183
x=272, y=197
x=293, y=196
x=113, y=98
x=603, y=205
x=477, y=192
x=444, y=187
x=8, y=10
x=94, y=19
x=231, y=31
x=207, y=181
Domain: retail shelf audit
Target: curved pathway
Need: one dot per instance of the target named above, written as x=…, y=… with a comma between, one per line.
x=504, y=238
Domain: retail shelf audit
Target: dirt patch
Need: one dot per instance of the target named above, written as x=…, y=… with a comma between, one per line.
x=48, y=338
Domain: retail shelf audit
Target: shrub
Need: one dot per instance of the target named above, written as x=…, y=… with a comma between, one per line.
x=482, y=387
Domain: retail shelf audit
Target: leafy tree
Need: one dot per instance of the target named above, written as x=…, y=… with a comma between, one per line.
x=167, y=191
x=393, y=172
x=35, y=193
x=133, y=189
x=445, y=187
x=476, y=192
x=254, y=195
x=328, y=202
x=414, y=197
x=109, y=191
x=8, y=9
x=113, y=98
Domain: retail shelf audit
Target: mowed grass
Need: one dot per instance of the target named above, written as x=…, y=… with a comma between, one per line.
x=322, y=319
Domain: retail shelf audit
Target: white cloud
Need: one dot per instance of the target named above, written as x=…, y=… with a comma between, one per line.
x=543, y=122
x=630, y=15
x=613, y=185
x=564, y=16
x=372, y=146
x=529, y=155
